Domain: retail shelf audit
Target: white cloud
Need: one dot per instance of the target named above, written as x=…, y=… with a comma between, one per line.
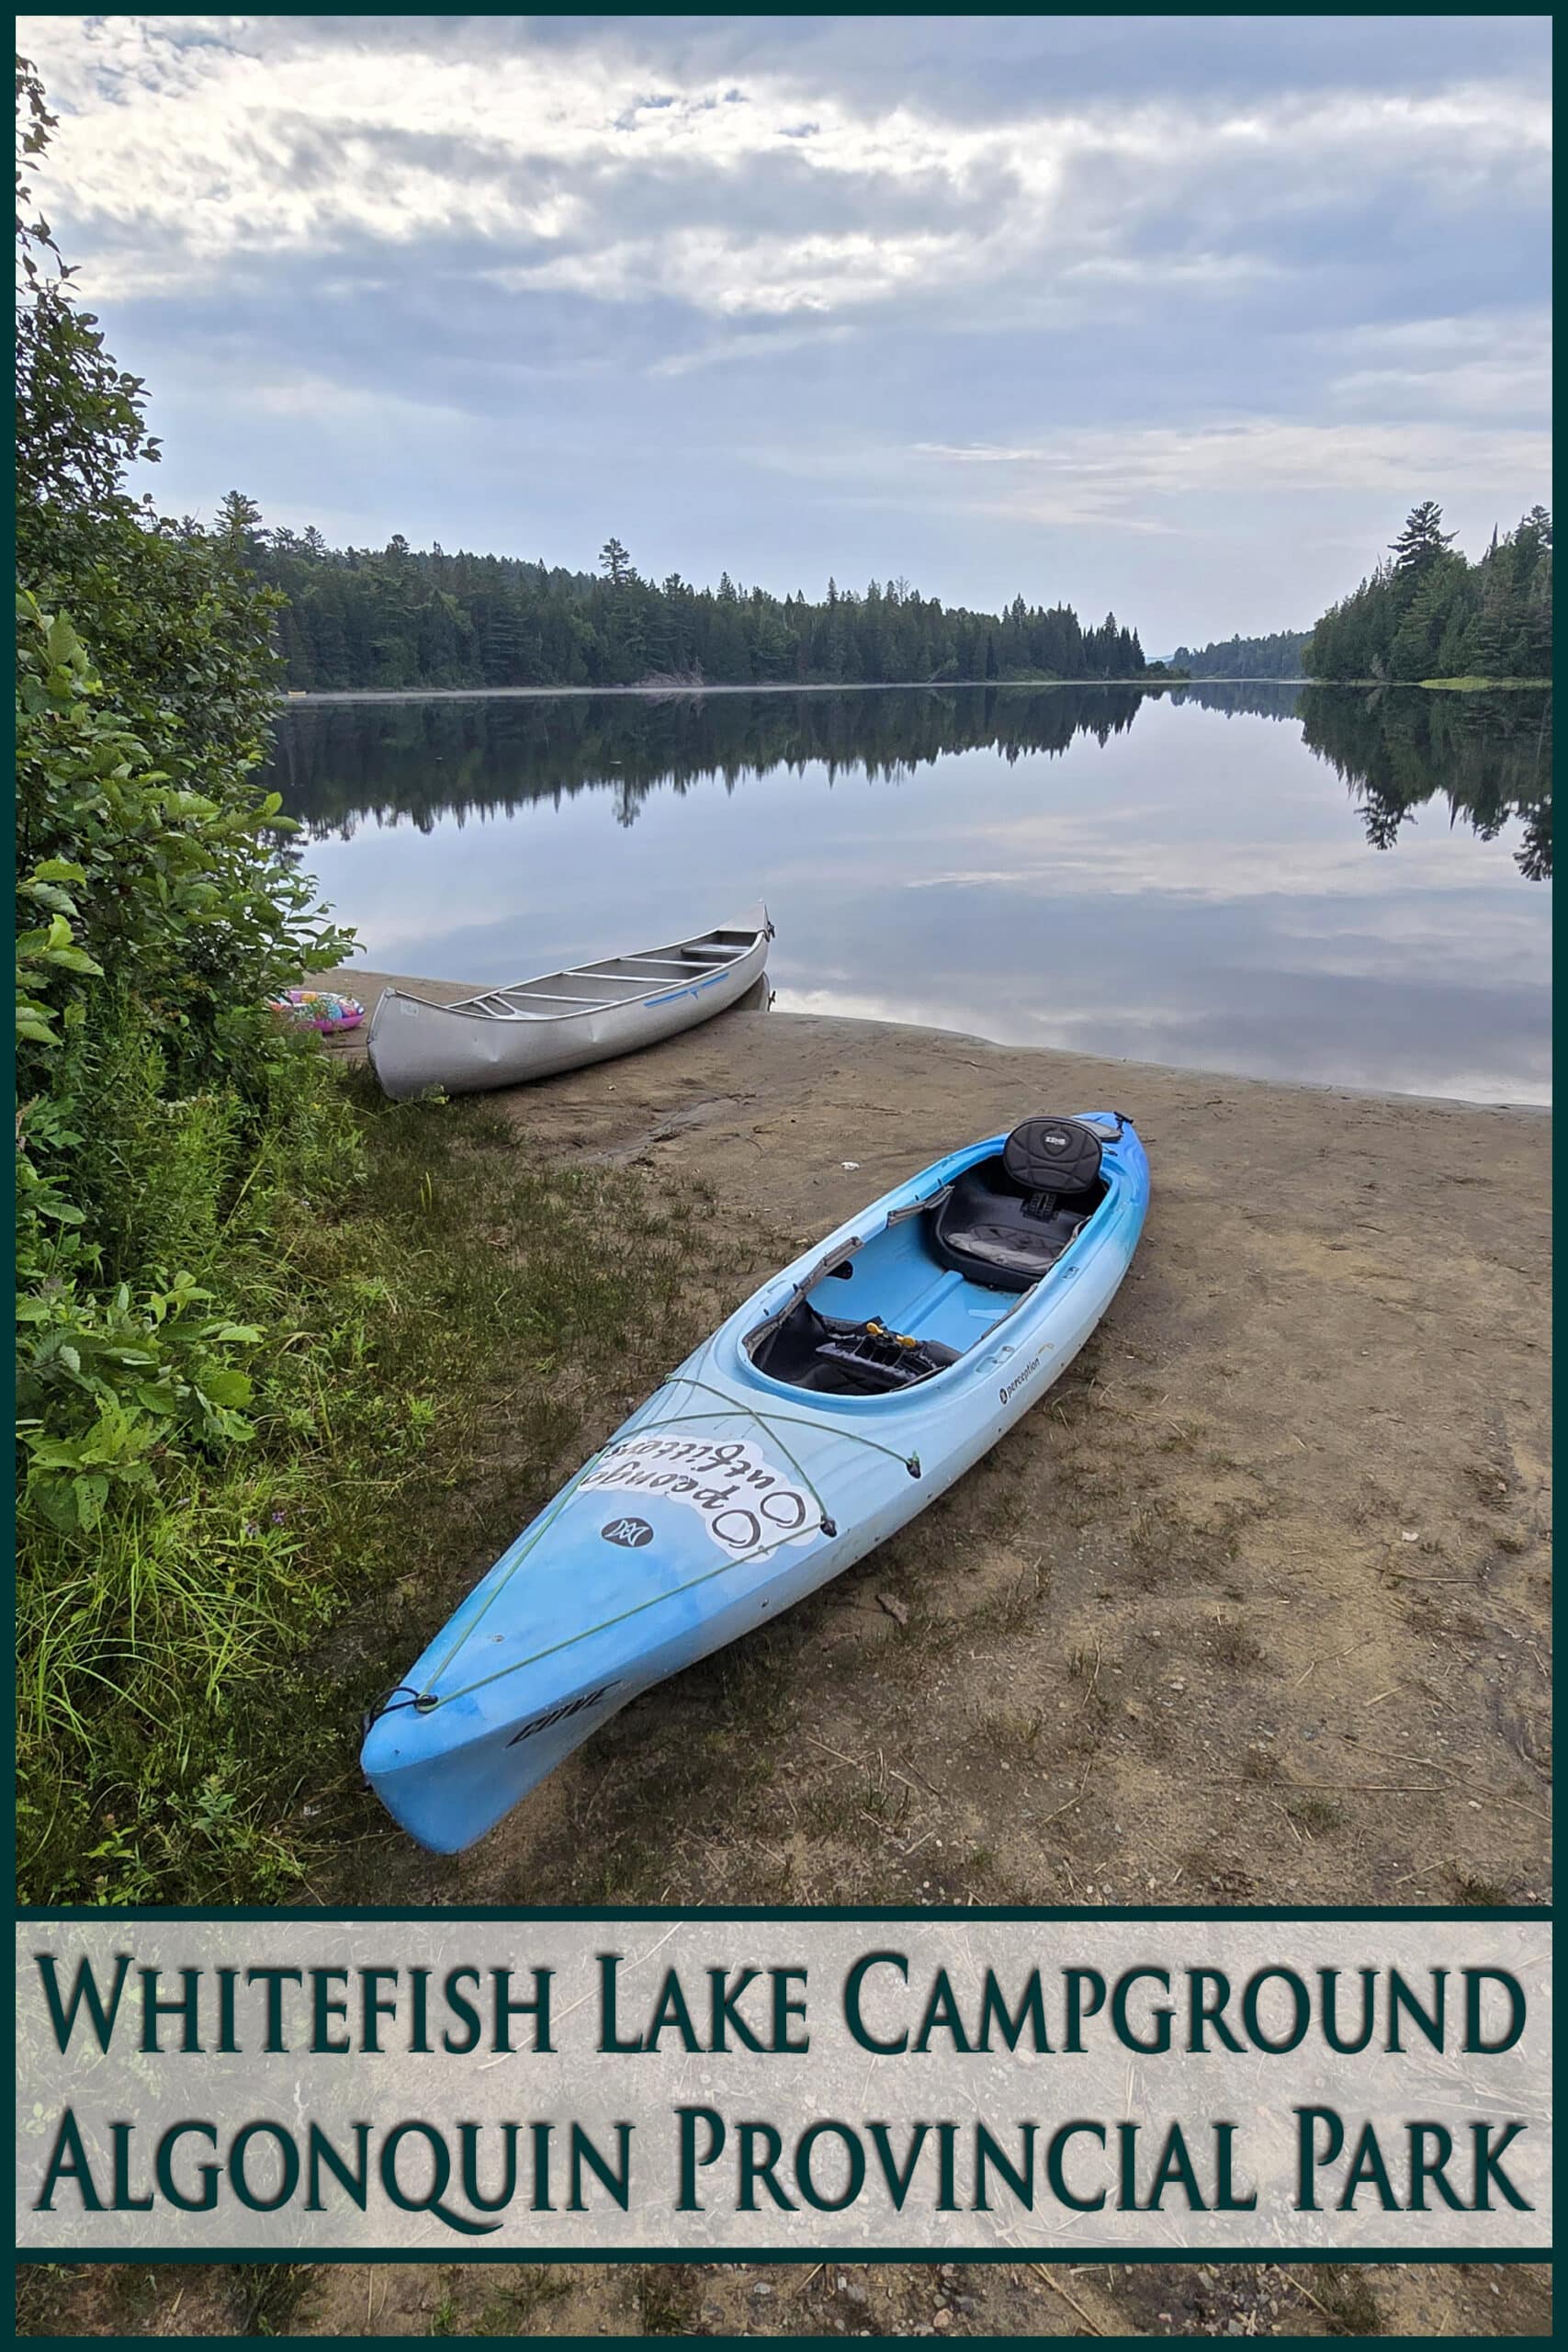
x=1485, y=364
x=1113, y=475
x=716, y=271
x=306, y=395
x=765, y=344
x=218, y=137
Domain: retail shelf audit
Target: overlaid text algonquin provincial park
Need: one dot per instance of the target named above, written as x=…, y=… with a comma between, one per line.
x=700, y=1244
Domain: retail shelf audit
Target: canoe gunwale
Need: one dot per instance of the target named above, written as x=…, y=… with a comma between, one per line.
x=472, y=1008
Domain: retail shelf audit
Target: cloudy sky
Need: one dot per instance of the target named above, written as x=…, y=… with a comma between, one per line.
x=1174, y=315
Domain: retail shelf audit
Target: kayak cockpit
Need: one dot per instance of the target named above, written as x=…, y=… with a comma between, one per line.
x=930, y=1284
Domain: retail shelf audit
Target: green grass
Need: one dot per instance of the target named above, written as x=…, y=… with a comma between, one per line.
x=1436, y=685
x=443, y=1348
x=669, y=2299
x=42, y=2295
x=1445, y=685
x=270, y=2293
x=1485, y=685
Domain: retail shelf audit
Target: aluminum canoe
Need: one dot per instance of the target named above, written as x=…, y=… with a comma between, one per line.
x=564, y=1019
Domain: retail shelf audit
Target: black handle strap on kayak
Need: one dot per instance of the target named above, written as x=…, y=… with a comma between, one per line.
x=401, y=1694
x=425, y=1701
x=917, y=1208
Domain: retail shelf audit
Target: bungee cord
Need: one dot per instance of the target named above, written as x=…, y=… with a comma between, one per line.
x=727, y=1408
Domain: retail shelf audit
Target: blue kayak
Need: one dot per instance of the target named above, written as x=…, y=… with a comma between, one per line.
x=832, y=1407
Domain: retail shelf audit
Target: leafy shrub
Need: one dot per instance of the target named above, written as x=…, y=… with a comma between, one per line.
x=166, y=1123
x=155, y=906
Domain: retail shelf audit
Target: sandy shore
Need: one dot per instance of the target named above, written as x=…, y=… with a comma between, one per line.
x=1254, y=1607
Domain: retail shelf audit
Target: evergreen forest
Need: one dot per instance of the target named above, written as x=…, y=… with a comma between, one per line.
x=1427, y=613
x=1276, y=656
x=399, y=618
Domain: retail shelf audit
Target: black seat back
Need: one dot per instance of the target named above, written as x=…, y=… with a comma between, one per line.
x=1059, y=1156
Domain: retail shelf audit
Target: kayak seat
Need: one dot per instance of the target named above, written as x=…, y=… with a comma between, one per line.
x=1007, y=1220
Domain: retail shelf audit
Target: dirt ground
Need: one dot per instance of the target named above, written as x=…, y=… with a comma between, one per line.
x=1253, y=1609
x=853, y=2300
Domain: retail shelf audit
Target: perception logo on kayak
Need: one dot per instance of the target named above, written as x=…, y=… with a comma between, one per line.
x=746, y=1502
x=632, y=1533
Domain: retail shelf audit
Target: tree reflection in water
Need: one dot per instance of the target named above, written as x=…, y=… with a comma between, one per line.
x=1488, y=756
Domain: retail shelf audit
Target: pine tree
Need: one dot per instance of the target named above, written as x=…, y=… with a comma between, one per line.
x=1414, y=650
x=239, y=522
x=1421, y=542
x=615, y=563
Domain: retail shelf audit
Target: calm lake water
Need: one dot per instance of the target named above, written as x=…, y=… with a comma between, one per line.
x=1309, y=883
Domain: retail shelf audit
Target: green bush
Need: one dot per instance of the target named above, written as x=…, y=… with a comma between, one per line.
x=284, y=1352
x=167, y=1124
x=150, y=1088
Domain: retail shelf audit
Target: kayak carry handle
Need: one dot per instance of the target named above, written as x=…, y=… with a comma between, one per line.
x=401, y=1694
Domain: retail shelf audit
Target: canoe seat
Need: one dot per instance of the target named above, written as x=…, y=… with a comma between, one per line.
x=1007, y=1220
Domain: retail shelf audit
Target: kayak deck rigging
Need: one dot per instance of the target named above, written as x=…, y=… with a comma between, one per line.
x=725, y=1408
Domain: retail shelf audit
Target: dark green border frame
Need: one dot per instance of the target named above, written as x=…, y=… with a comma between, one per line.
x=1423, y=1913
x=726, y=1913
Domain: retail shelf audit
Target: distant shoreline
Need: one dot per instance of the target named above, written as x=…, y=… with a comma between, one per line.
x=694, y=694
x=881, y=686
x=1486, y=685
